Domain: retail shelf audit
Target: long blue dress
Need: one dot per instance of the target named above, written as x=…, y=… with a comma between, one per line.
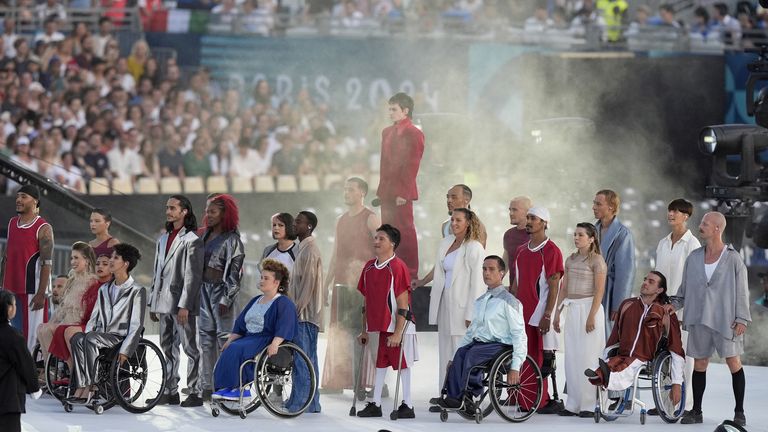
x=280, y=320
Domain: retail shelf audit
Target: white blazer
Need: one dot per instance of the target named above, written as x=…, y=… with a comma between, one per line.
x=466, y=284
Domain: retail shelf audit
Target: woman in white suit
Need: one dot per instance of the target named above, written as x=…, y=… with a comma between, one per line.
x=457, y=283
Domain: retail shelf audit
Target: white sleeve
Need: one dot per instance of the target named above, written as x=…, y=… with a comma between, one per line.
x=678, y=364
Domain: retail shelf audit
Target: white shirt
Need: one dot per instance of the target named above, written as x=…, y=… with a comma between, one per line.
x=252, y=164
x=709, y=269
x=449, y=263
x=124, y=164
x=670, y=258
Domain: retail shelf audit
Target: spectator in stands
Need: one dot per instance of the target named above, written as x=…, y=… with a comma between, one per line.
x=226, y=11
x=9, y=37
x=51, y=31
x=751, y=35
x=728, y=26
x=96, y=162
x=288, y=159
x=67, y=173
x=640, y=22
x=349, y=14
x=138, y=58
x=586, y=19
x=51, y=8
x=248, y=162
x=196, y=161
x=170, y=158
x=540, y=20
x=23, y=158
x=149, y=159
x=124, y=162
x=103, y=37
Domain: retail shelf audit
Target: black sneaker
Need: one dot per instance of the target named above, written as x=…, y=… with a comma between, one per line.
x=435, y=401
x=739, y=418
x=405, y=412
x=552, y=407
x=587, y=414
x=691, y=417
x=192, y=400
x=653, y=412
x=566, y=413
x=370, y=410
x=450, y=402
x=167, y=399
x=435, y=409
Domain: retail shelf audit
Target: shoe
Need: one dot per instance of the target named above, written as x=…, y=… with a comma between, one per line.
x=450, y=403
x=739, y=418
x=207, y=395
x=217, y=394
x=405, y=412
x=587, y=414
x=691, y=417
x=652, y=412
x=435, y=409
x=614, y=404
x=435, y=401
x=166, y=399
x=566, y=413
x=370, y=410
x=552, y=407
x=605, y=371
x=192, y=400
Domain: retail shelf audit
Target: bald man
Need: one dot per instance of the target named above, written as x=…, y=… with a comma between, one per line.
x=715, y=298
x=516, y=236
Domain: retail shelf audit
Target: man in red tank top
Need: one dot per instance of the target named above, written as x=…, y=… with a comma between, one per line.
x=353, y=248
x=26, y=264
x=402, y=146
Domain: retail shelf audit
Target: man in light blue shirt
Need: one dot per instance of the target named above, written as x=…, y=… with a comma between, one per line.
x=498, y=323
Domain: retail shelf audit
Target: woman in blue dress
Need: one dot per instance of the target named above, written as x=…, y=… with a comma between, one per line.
x=267, y=321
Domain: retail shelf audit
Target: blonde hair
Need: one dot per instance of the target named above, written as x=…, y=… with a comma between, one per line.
x=473, y=224
x=612, y=198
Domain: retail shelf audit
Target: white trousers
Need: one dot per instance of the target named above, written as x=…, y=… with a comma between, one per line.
x=447, y=344
x=582, y=351
x=688, y=375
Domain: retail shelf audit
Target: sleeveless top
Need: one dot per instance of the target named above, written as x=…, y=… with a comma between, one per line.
x=354, y=244
x=103, y=248
x=22, y=256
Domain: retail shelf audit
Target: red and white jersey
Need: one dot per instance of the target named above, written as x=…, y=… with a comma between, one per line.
x=22, y=256
x=380, y=284
x=533, y=267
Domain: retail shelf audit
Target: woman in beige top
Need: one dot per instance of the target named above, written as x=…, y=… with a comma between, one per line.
x=70, y=309
x=584, y=285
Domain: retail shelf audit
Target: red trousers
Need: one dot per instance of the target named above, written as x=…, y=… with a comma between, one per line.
x=401, y=217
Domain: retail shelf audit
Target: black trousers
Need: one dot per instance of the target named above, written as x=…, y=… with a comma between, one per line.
x=10, y=422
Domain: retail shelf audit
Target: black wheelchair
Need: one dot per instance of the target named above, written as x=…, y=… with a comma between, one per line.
x=655, y=375
x=272, y=385
x=136, y=385
x=513, y=402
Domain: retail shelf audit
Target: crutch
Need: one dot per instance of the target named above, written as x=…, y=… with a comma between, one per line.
x=408, y=315
x=359, y=377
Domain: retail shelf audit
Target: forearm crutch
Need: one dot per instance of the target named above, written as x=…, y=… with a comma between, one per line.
x=408, y=315
x=359, y=377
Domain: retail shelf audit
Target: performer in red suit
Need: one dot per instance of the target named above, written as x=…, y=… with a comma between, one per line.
x=402, y=146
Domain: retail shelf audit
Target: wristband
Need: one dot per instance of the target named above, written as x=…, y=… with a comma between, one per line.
x=48, y=262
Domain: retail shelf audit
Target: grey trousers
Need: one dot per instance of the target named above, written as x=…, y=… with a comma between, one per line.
x=85, y=350
x=171, y=335
x=214, y=329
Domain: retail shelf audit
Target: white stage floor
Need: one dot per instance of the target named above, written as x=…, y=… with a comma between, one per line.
x=47, y=415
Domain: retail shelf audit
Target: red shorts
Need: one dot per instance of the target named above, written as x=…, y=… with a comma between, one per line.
x=387, y=356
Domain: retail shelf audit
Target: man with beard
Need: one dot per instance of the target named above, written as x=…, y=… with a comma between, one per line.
x=26, y=264
x=175, y=297
x=223, y=256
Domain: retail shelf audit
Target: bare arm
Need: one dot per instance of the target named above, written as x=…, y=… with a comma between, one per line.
x=45, y=244
x=513, y=287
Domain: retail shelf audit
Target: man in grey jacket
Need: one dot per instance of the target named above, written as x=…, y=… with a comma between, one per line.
x=175, y=297
x=715, y=297
x=117, y=319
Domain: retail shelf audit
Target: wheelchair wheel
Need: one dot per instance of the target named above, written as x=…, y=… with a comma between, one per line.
x=483, y=402
x=139, y=382
x=56, y=377
x=661, y=385
x=518, y=402
x=282, y=370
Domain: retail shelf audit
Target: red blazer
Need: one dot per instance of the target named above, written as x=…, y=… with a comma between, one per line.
x=402, y=146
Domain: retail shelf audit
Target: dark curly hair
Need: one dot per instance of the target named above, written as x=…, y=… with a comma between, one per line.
x=280, y=271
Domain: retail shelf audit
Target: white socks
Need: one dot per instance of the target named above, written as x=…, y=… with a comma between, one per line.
x=405, y=378
x=378, y=386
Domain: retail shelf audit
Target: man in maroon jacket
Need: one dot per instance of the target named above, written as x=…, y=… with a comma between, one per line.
x=402, y=146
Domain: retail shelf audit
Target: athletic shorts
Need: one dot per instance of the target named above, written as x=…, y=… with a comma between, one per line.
x=703, y=342
x=387, y=356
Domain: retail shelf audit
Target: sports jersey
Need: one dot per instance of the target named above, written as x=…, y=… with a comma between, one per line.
x=381, y=284
x=22, y=257
x=533, y=267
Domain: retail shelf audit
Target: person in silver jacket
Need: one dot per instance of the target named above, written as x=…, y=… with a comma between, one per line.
x=175, y=297
x=223, y=261
x=117, y=319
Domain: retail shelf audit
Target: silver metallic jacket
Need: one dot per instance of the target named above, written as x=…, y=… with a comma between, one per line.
x=124, y=317
x=177, y=275
x=229, y=258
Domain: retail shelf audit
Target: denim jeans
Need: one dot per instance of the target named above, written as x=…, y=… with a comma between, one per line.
x=306, y=339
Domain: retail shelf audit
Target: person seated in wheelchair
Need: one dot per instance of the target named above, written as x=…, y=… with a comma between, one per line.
x=117, y=320
x=266, y=322
x=498, y=324
x=639, y=331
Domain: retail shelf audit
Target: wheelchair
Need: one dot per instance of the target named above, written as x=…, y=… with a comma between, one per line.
x=272, y=384
x=655, y=375
x=136, y=385
x=513, y=402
